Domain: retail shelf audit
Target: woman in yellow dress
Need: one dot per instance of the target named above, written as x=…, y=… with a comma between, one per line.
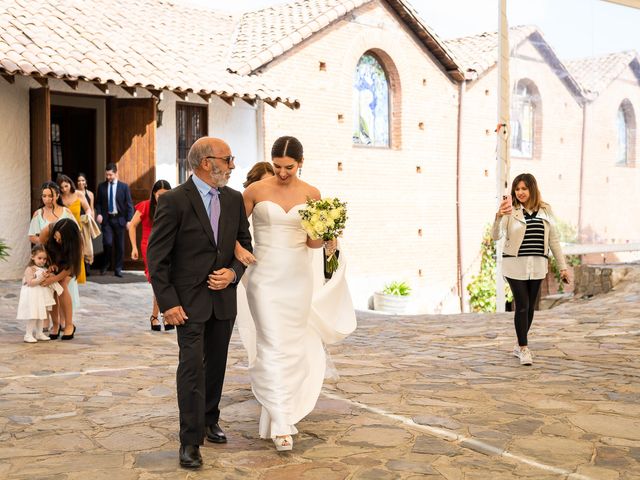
x=74, y=201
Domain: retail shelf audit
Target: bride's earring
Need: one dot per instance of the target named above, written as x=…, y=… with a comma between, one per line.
x=299, y=171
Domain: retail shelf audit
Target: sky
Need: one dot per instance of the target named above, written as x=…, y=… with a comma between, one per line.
x=574, y=28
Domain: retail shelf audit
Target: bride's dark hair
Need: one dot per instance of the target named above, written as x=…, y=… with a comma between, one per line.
x=287, y=147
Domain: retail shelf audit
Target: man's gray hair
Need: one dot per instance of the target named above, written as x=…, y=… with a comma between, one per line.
x=197, y=151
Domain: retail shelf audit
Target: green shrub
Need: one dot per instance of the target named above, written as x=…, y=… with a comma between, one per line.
x=568, y=234
x=4, y=250
x=482, y=288
x=401, y=289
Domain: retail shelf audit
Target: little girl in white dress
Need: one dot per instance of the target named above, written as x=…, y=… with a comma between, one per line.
x=35, y=300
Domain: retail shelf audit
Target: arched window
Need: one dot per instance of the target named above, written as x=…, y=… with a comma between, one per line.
x=524, y=119
x=625, y=127
x=371, y=103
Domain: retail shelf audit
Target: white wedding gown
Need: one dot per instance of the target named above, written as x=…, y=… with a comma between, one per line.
x=287, y=313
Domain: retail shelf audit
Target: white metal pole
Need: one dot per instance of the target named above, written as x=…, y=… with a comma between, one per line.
x=502, y=173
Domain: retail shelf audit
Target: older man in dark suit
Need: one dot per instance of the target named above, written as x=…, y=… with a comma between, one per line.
x=114, y=209
x=192, y=243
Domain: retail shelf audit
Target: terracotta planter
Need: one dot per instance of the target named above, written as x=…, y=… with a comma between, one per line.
x=390, y=303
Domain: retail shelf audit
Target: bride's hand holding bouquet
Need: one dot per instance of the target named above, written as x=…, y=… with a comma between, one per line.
x=325, y=219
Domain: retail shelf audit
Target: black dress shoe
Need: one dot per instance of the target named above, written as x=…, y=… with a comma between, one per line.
x=118, y=273
x=215, y=434
x=190, y=456
x=103, y=270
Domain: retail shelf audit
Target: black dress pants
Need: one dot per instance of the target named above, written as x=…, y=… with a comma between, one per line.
x=200, y=375
x=113, y=234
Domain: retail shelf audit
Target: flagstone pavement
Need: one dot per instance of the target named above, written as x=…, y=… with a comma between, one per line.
x=416, y=397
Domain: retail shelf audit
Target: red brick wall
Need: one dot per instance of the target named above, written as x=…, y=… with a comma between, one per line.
x=611, y=207
x=389, y=202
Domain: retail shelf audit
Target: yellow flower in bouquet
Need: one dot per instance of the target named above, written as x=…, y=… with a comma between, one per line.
x=325, y=219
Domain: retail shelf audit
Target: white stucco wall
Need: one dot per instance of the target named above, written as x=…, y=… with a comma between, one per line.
x=166, y=149
x=14, y=161
x=237, y=125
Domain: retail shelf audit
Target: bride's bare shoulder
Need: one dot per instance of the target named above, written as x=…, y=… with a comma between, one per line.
x=310, y=191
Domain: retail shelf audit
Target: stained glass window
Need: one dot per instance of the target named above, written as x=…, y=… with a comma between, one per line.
x=522, y=121
x=371, y=103
x=625, y=128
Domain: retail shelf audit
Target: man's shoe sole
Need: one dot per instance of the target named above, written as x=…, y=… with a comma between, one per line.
x=216, y=440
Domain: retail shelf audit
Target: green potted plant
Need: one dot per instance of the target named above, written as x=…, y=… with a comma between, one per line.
x=393, y=298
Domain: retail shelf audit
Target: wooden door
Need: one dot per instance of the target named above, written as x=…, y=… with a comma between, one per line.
x=40, y=140
x=132, y=147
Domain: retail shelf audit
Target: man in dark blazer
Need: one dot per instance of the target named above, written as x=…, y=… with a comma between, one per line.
x=114, y=210
x=194, y=275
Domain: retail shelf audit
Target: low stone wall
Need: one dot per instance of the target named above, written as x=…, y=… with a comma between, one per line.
x=592, y=280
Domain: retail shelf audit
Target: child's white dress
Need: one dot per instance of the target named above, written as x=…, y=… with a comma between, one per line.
x=36, y=301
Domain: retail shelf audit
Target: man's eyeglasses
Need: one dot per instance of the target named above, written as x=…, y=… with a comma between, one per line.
x=228, y=159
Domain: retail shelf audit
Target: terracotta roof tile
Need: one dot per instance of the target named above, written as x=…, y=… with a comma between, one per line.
x=480, y=52
x=596, y=73
x=264, y=34
x=155, y=43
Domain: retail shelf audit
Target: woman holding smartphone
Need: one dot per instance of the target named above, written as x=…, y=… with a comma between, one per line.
x=528, y=226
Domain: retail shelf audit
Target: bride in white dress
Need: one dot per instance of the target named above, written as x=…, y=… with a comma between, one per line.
x=291, y=311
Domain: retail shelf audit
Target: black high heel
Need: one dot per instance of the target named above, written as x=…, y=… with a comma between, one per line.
x=167, y=327
x=54, y=336
x=155, y=328
x=69, y=337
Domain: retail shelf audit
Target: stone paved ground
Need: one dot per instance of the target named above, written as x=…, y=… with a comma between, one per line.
x=417, y=397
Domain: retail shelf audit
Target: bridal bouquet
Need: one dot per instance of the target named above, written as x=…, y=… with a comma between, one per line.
x=325, y=219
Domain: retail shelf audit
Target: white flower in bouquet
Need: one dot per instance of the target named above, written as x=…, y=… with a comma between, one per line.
x=325, y=219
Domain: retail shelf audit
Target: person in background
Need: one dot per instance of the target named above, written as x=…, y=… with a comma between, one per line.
x=76, y=202
x=145, y=212
x=63, y=243
x=35, y=300
x=259, y=171
x=50, y=211
x=529, y=229
x=81, y=186
x=114, y=209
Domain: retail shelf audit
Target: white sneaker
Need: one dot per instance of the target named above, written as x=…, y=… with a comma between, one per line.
x=525, y=357
x=42, y=337
x=516, y=351
x=29, y=339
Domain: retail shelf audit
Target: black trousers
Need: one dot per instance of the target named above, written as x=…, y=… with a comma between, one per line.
x=200, y=375
x=525, y=293
x=113, y=233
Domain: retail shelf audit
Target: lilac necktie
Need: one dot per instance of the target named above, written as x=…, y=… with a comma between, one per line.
x=214, y=212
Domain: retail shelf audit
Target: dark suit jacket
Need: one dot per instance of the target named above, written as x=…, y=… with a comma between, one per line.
x=124, y=204
x=182, y=252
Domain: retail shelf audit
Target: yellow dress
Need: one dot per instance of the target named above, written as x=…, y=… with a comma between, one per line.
x=75, y=208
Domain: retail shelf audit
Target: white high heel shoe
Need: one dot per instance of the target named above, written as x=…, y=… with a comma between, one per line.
x=283, y=443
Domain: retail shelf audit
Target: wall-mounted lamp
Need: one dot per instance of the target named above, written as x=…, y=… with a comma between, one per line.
x=159, y=115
